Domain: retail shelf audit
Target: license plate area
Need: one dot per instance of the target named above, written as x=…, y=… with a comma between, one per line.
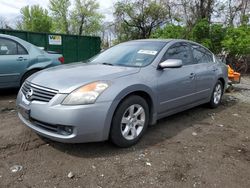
x=24, y=111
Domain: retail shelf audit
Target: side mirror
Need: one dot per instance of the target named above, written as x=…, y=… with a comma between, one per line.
x=171, y=63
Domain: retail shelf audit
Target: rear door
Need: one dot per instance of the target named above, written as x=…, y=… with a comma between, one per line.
x=205, y=71
x=13, y=61
x=176, y=86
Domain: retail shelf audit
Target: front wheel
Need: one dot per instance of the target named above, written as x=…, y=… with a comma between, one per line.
x=130, y=121
x=217, y=95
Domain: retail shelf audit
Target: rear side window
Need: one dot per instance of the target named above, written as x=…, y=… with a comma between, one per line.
x=21, y=50
x=10, y=47
x=179, y=51
x=201, y=55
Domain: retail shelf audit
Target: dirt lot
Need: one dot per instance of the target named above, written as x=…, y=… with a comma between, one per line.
x=200, y=147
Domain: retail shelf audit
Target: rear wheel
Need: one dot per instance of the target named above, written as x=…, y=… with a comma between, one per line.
x=130, y=121
x=217, y=95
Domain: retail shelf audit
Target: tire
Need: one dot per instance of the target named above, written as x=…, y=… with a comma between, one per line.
x=130, y=121
x=27, y=75
x=216, y=95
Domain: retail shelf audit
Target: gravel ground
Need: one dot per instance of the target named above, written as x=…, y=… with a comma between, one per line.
x=200, y=147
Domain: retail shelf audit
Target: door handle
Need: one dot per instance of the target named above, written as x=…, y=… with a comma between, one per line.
x=192, y=75
x=215, y=69
x=21, y=59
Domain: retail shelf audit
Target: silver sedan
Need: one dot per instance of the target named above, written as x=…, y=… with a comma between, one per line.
x=118, y=93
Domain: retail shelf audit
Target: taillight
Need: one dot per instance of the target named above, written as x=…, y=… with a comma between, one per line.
x=61, y=59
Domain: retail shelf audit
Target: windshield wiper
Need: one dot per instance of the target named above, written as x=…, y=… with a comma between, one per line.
x=110, y=64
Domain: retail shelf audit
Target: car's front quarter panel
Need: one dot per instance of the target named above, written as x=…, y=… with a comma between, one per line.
x=120, y=88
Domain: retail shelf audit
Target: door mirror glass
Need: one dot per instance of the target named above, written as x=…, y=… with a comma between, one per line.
x=171, y=63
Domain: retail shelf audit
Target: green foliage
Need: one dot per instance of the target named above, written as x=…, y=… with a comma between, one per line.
x=35, y=18
x=237, y=40
x=217, y=34
x=200, y=32
x=170, y=31
x=85, y=18
x=209, y=35
x=60, y=14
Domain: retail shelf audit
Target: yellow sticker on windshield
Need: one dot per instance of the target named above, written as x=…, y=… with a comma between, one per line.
x=148, y=52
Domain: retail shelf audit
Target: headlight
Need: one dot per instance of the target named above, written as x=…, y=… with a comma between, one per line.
x=86, y=94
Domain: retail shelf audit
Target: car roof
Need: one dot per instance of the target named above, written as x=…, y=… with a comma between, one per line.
x=165, y=40
x=153, y=40
x=170, y=40
x=9, y=36
x=19, y=40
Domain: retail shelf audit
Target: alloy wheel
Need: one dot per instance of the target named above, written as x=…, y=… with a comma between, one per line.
x=133, y=121
x=217, y=94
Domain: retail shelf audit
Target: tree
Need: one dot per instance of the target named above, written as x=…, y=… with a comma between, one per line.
x=60, y=15
x=210, y=35
x=85, y=18
x=137, y=19
x=237, y=40
x=236, y=12
x=200, y=33
x=3, y=22
x=171, y=31
x=192, y=11
x=245, y=12
x=217, y=34
x=107, y=34
x=35, y=18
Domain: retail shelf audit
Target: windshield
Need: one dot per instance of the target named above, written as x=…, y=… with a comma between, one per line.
x=131, y=54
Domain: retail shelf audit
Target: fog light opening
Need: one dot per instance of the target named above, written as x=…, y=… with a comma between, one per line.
x=65, y=130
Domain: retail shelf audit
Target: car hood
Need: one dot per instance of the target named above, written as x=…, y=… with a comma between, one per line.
x=67, y=78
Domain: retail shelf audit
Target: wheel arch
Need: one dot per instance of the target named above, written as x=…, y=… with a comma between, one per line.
x=223, y=82
x=139, y=90
x=146, y=96
x=27, y=72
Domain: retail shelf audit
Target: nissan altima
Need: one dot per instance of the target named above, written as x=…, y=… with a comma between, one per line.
x=119, y=92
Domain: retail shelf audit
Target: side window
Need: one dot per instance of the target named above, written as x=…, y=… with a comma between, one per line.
x=210, y=57
x=179, y=51
x=8, y=47
x=201, y=55
x=21, y=50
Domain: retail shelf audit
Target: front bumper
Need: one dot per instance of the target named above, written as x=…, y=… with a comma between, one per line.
x=90, y=123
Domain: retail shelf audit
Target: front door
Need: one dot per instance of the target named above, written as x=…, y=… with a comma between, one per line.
x=176, y=86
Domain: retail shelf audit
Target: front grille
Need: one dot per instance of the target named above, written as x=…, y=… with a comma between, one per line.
x=34, y=92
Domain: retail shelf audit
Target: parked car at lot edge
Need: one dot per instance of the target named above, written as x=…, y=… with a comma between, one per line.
x=20, y=59
x=120, y=91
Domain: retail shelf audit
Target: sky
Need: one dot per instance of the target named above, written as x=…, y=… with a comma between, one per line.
x=10, y=9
